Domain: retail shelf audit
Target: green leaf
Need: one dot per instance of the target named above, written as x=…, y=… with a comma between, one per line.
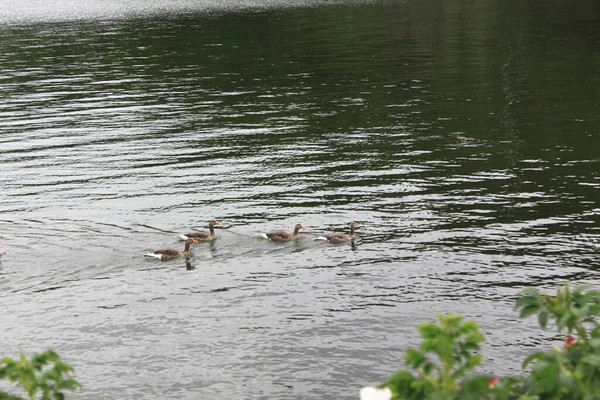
x=595, y=343
x=428, y=367
x=530, y=358
x=473, y=362
x=40, y=376
x=476, y=384
x=580, y=311
x=68, y=384
x=477, y=337
x=524, y=301
x=469, y=327
x=429, y=330
x=543, y=318
x=401, y=383
x=414, y=358
x=592, y=359
x=564, y=321
x=530, y=292
x=579, y=289
x=547, y=373
x=529, y=310
x=6, y=396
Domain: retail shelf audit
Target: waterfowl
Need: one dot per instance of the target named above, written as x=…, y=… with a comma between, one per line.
x=340, y=237
x=166, y=254
x=203, y=236
x=283, y=236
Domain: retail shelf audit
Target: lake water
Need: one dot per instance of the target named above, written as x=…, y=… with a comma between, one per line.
x=464, y=136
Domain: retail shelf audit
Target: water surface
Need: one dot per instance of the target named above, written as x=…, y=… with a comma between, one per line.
x=464, y=138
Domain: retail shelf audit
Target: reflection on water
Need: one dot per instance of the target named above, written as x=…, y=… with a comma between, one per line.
x=469, y=159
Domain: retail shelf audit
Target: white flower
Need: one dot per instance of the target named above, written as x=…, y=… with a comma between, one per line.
x=372, y=393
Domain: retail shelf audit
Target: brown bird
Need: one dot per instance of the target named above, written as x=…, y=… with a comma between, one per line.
x=167, y=254
x=283, y=236
x=340, y=237
x=203, y=236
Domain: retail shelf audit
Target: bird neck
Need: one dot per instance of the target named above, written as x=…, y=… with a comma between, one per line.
x=187, y=247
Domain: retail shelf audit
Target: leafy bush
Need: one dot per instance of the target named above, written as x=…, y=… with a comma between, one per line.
x=439, y=369
x=45, y=374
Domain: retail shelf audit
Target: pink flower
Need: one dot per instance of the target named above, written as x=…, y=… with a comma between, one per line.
x=570, y=341
x=493, y=381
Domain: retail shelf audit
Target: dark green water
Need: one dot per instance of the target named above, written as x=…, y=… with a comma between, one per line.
x=465, y=136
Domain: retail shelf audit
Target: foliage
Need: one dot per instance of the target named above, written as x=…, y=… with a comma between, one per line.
x=45, y=374
x=573, y=371
x=570, y=372
x=454, y=344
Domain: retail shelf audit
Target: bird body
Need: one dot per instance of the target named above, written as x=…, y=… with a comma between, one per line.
x=283, y=236
x=203, y=236
x=167, y=254
x=340, y=237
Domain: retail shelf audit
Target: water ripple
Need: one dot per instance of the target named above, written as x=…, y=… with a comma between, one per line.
x=120, y=133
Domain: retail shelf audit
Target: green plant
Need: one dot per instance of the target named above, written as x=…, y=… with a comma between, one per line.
x=44, y=373
x=570, y=372
x=573, y=371
x=454, y=345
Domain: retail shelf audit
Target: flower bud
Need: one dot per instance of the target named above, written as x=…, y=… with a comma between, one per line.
x=570, y=341
x=493, y=381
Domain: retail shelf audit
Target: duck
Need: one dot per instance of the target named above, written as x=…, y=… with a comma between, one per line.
x=203, y=236
x=283, y=236
x=340, y=237
x=167, y=254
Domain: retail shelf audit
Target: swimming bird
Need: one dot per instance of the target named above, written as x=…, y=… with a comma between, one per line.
x=167, y=254
x=203, y=236
x=340, y=237
x=283, y=236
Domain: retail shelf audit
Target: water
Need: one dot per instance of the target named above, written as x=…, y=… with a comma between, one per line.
x=464, y=137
